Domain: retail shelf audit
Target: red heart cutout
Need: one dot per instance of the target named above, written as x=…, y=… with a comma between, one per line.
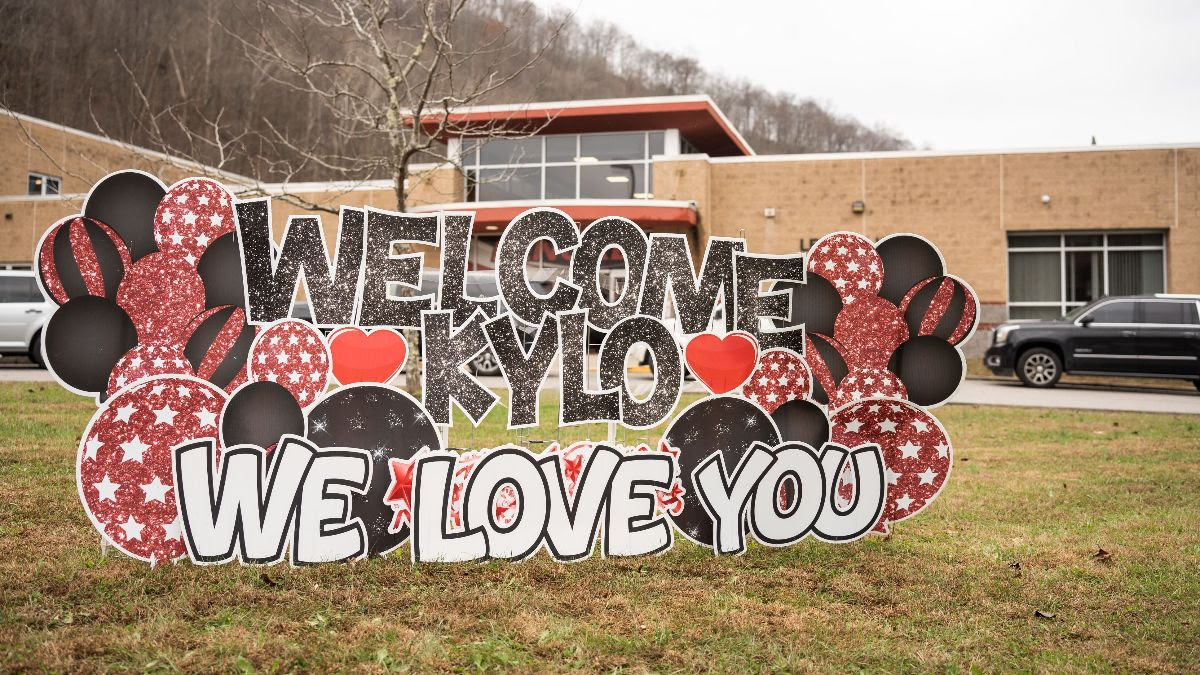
x=359, y=356
x=722, y=363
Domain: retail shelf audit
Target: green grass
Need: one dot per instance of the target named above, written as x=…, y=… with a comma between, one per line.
x=1033, y=496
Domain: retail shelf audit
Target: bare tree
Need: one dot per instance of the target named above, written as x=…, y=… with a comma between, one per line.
x=379, y=84
x=388, y=79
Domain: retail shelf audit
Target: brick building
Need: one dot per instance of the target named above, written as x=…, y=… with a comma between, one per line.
x=1035, y=232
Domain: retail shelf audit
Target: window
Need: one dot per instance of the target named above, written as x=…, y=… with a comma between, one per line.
x=1050, y=274
x=1113, y=312
x=19, y=289
x=561, y=166
x=41, y=184
x=1169, y=312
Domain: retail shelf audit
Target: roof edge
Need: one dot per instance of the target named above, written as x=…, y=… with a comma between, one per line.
x=178, y=161
x=907, y=154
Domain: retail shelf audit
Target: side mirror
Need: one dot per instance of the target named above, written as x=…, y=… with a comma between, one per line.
x=1086, y=321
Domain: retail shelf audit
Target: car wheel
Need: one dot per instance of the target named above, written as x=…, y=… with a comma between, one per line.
x=35, y=350
x=1039, y=367
x=486, y=364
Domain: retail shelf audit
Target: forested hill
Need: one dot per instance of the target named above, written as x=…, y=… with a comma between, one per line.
x=77, y=63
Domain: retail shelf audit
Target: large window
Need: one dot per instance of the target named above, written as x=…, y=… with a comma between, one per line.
x=1050, y=274
x=561, y=166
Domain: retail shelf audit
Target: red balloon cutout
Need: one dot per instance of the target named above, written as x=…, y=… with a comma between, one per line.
x=161, y=293
x=781, y=376
x=190, y=216
x=292, y=353
x=916, y=452
x=124, y=467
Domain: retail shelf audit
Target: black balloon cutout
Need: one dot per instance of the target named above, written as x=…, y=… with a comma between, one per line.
x=385, y=422
x=259, y=413
x=126, y=201
x=220, y=268
x=84, y=339
x=802, y=421
x=907, y=260
x=815, y=304
x=725, y=424
x=930, y=368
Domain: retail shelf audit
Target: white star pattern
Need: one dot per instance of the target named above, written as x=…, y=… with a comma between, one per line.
x=780, y=375
x=902, y=430
x=156, y=490
x=848, y=261
x=294, y=354
x=107, y=489
x=134, y=449
x=92, y=446
x=132, y=528
x=129, y=494
x=191, y=216
x=164, y=415
x=173, y=530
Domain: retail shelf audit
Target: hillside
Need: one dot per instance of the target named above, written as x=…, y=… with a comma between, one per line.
x=141, y=72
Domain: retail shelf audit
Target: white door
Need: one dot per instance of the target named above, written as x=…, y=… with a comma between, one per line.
x=21, y=305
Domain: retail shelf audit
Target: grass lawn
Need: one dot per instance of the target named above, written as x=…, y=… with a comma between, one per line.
x=1034, y=495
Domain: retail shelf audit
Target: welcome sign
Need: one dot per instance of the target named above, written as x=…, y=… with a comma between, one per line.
x=227, y=431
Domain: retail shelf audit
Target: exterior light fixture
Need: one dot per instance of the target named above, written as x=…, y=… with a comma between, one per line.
x=586, y=160
x=491, y=228
x=858, y=206
x=1046, y=200
x=617, y=179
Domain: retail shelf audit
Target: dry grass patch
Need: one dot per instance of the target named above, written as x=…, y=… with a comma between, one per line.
x=1034, y=495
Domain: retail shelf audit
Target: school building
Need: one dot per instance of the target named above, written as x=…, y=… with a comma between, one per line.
x=1035, y=232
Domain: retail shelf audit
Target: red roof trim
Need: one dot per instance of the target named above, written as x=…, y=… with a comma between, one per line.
x=650, y=114
x=493, y=219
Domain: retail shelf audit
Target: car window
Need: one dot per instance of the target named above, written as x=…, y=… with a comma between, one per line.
x=429, y=284
x=19, y=289
x=1113, y=312
x=32, y=292
x=1169, y=312
x=488, y=288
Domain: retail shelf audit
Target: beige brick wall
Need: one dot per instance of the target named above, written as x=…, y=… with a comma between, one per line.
x=78, y=159
x=81, y=159
x=965, y=203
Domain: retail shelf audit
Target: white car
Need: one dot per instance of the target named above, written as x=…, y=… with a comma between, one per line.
x=23, y=313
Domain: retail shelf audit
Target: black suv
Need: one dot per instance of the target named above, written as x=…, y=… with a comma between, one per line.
x=1142, y=336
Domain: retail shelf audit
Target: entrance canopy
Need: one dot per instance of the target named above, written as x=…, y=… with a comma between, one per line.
x=697, y=118
x=653, y=215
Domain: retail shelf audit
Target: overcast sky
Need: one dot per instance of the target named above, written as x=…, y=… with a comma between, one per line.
x=952, y=75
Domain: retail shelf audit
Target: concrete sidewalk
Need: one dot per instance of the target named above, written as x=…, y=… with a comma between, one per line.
x=1077, y=396
x=972, y=391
